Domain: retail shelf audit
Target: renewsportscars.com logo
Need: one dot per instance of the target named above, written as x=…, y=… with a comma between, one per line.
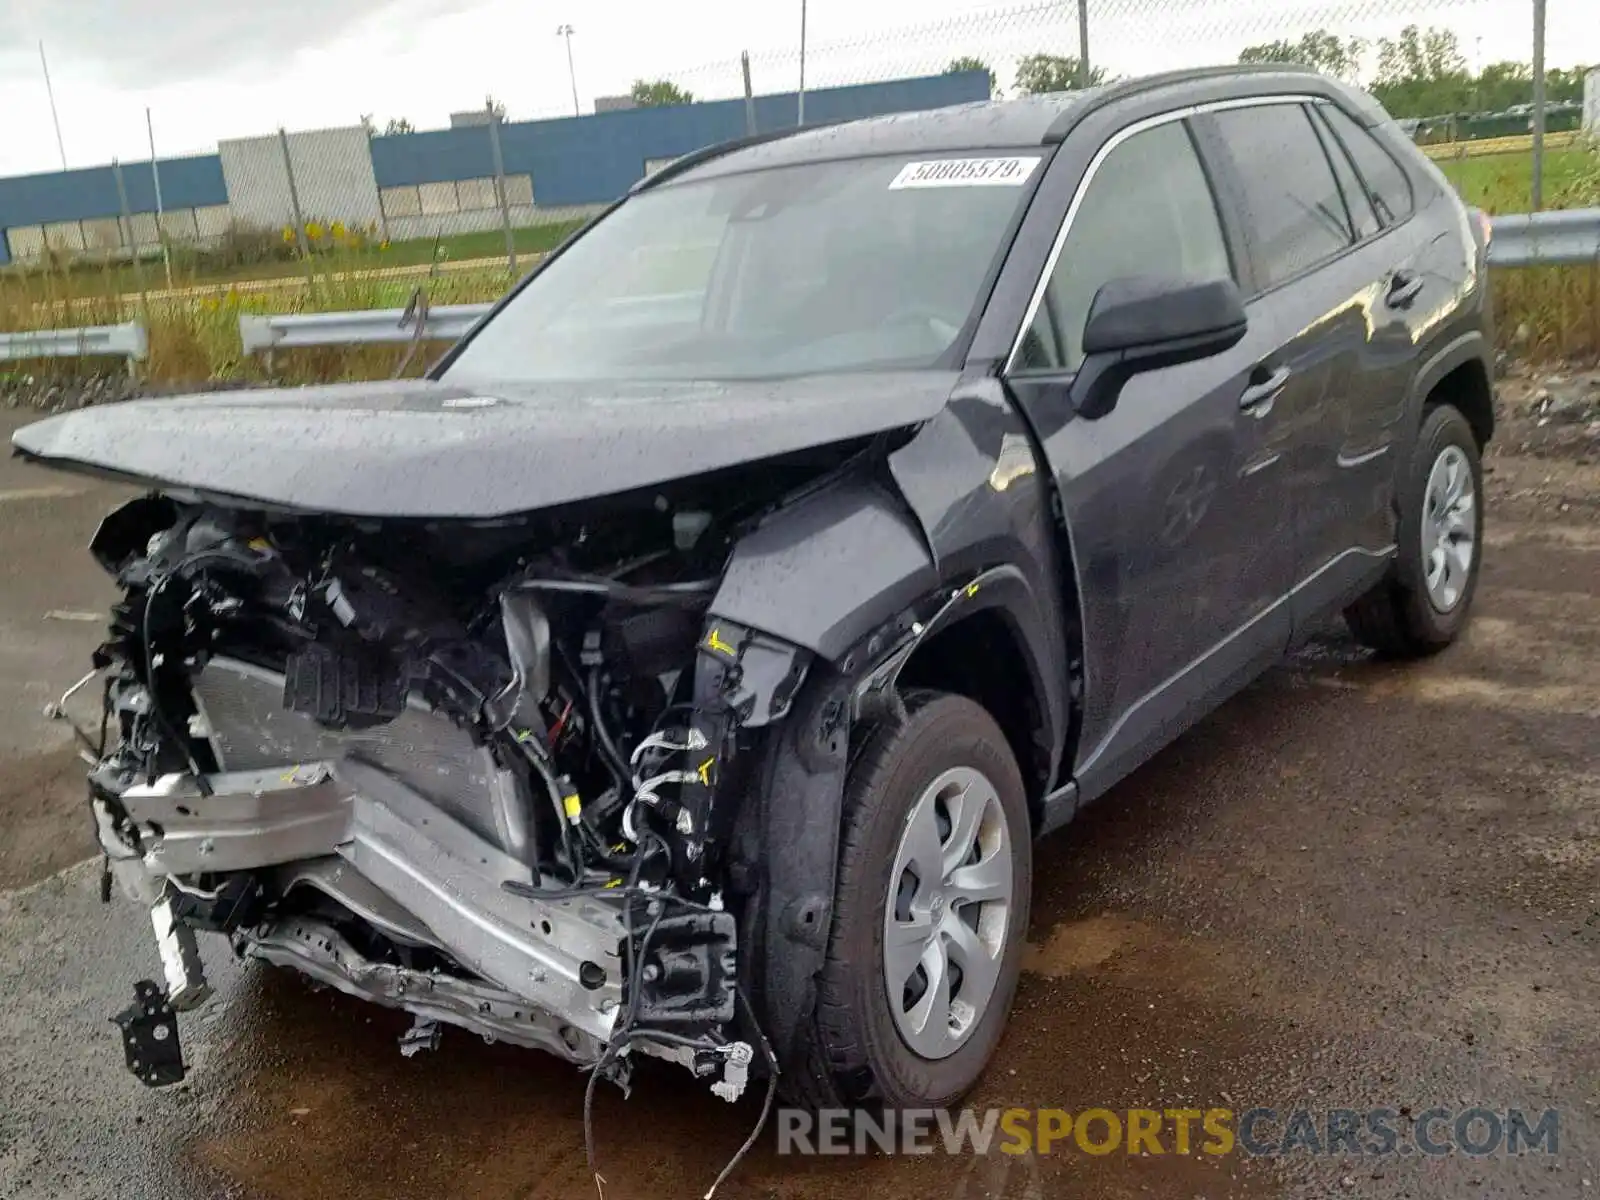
x=1256, y=1132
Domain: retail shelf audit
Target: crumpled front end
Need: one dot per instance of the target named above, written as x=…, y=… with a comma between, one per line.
x=484, y=772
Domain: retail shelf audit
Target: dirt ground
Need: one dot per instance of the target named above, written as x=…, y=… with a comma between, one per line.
x=1355, y=885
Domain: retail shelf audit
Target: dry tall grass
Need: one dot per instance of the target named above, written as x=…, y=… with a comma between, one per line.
x=194, y=328
x=1542, y=312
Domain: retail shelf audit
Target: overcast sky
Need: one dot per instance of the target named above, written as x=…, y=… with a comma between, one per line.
x=211, y=69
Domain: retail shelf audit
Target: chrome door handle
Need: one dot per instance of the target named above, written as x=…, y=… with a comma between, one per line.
x=1259, y=395
x=1404, y=288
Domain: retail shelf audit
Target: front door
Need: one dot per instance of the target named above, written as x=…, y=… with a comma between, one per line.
x=1176, y=501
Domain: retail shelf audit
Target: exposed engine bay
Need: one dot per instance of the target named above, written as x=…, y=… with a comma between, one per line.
x=482, y=771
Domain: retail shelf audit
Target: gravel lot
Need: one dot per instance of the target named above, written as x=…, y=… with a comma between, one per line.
x=1355, y=885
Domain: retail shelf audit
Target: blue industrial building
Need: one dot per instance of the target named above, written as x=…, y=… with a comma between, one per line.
x=416, y=184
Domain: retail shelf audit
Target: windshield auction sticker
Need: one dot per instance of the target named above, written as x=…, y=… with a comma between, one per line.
x=966, y=172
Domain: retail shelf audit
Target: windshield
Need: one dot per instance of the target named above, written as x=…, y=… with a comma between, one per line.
x=860, y=264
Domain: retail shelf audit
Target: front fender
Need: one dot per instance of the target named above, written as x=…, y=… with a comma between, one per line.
x=827, y=570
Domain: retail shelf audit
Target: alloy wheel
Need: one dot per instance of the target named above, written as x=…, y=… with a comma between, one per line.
x=1449, y=528
x=949, y=905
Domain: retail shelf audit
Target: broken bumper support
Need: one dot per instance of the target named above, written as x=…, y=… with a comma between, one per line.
x=551, y=969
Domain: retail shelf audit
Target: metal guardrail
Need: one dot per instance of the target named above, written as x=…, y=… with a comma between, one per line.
x=1566, y=237
x=1563, y=238
x=110, y=341
x=374, y=327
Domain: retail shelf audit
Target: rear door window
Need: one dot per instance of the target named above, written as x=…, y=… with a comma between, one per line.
x=1293, y=212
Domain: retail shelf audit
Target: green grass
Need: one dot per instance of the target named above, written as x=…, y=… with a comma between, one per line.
x=1503, y=183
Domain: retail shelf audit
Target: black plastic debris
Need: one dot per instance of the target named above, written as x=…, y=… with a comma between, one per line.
x=150, y=1037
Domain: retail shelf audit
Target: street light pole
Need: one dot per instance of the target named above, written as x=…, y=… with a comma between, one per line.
x=54, y=117
x=566, y=31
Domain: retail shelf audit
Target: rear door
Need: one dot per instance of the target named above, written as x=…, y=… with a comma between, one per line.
x=1332, y=272
x=1176, y=507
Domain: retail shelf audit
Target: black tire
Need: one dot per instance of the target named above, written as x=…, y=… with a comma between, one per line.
x=1397, y=618
x=862, y=1054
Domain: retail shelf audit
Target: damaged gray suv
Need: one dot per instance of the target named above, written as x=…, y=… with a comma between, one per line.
x=687, y=664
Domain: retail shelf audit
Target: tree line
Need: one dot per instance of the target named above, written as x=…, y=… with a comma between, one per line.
x=1035, y=73
x=1420, y=73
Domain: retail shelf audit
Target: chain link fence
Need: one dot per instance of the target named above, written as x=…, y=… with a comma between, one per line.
x=1451, y=70
x=1440, y=66
x=319, y=192
x=355, y=218
x=479, y=193
x=1138, y=37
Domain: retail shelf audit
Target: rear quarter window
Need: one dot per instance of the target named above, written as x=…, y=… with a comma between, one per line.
x=1293, y=212
x=1388, y=185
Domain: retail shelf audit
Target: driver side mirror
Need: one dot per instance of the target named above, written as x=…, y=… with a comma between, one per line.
x=1140, y=324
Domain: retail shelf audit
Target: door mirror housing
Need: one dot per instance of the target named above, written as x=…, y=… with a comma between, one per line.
x=1140, y=324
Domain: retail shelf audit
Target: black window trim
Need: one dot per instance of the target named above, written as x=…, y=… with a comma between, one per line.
x=1244, y=272
x=1214, y=143
x=1232, y=245
x=1264, y=283
x=1335, y=152
x=1370, y=131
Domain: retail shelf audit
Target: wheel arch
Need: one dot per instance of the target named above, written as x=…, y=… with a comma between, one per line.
x=1467, y=388
x=986, y=641
x=1458, y=373
x=981, y=656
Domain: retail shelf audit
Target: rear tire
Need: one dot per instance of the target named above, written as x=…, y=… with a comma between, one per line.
x=945, y=773
x=1422, y=604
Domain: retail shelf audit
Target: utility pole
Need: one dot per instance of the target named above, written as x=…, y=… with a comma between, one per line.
x=155, y=176
x=499, y=164
x=54, y=116
x=800, y=108
x=566, y=31
x=1538, y=104
x=749, y=95
x=1083, y=44
x=299, y=217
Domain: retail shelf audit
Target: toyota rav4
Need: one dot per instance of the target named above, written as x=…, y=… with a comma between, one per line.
x=686, y=665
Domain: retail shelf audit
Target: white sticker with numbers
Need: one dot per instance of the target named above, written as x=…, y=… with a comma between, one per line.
x=966, y=172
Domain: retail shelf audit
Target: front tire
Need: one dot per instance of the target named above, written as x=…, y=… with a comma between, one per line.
x=931, y=909
x=1422, y=604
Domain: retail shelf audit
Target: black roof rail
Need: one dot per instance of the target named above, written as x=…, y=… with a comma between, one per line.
x=1122, y=89
x=705, y=154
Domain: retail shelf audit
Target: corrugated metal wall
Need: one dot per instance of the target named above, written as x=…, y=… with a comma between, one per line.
x=92, y=192
x=593, y=159
x=332, y=175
